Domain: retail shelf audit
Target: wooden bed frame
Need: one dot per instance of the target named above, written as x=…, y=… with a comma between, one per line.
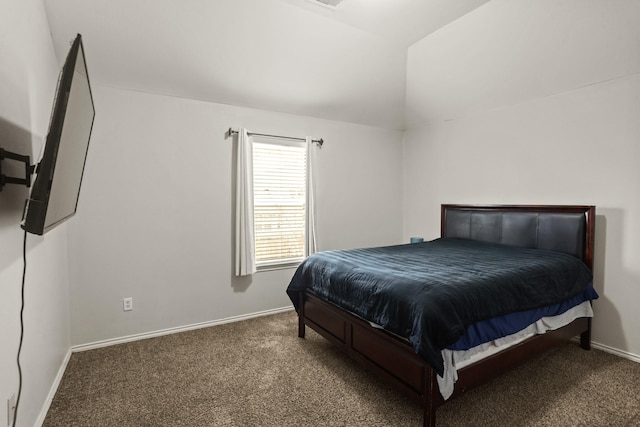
x=392, y=358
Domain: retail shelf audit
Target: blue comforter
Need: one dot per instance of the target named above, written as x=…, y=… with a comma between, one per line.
x=431, y=292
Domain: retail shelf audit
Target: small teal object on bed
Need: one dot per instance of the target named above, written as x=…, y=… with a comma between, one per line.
x=416, y=240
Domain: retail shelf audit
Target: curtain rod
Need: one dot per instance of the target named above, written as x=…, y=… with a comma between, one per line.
x=318, y=141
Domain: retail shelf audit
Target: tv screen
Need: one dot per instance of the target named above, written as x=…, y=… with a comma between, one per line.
x=54, y=194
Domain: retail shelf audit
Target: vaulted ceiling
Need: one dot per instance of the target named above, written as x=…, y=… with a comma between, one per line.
x=293, y=56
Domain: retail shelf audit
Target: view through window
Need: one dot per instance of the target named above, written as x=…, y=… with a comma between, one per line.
x=279, y=187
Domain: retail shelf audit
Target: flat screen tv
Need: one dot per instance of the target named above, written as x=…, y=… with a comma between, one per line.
x=54, y=194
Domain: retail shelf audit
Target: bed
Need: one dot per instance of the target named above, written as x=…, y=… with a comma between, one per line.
x=411, y=352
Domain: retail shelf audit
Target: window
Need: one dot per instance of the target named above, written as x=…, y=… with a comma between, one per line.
x=275, y=201
x=279, y=191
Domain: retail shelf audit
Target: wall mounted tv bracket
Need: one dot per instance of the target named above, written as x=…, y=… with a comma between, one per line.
x=28, y=169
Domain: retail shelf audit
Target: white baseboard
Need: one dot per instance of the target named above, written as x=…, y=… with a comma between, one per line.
x=53, y=390
x=615, y=351
x=145, y=335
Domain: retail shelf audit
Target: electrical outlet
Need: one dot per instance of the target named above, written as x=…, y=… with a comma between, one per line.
x=127, y=304
x=11, y=409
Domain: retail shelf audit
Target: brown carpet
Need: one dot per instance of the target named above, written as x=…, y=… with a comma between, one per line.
x=259, y=373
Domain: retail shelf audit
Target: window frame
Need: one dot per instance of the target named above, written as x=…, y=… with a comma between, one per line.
x=282, y=263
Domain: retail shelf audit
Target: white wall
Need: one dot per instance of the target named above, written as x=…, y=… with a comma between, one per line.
x=28, y=75
x=155, y=215
x=536, y=102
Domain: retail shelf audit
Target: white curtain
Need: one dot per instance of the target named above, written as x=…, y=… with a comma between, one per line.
x=310, y=244
x=245, y=238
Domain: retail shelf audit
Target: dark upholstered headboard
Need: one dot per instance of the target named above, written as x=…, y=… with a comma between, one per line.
x=562, y=228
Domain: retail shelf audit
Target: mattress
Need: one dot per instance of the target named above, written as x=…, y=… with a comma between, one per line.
x=458, y=359
x=501, y=326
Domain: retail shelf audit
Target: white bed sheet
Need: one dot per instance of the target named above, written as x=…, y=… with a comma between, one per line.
x=458, y=359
